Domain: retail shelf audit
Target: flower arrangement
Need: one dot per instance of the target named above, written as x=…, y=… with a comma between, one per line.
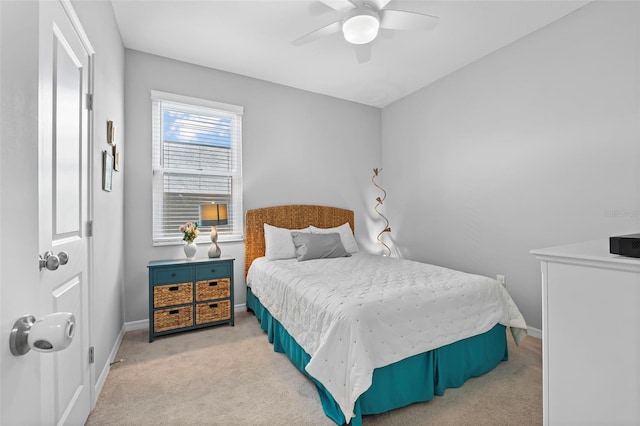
x=190, y=231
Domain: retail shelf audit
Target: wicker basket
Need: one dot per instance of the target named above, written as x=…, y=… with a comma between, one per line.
x=213, y=311
x=169, y=319
x=213, y=289
x=172, y=294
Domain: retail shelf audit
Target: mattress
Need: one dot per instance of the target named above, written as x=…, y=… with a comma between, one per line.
x=355, y=314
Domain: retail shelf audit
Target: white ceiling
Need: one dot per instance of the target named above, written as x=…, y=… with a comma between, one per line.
x=253, y=38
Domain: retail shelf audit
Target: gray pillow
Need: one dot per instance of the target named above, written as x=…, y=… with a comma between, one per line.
x=318, y=246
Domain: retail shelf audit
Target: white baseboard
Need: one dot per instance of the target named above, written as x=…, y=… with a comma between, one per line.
x=136, y=325
x=534, y=332
x=105, y=371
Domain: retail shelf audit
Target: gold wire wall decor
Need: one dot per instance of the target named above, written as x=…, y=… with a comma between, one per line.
x=376, y=171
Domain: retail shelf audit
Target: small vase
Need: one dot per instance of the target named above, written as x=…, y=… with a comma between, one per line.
x=190, y=249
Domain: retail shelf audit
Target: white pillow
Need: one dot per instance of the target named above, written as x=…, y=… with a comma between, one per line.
x=278, y=242
x=346, y=235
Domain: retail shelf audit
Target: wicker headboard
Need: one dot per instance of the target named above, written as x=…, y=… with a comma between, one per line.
x=290, y=217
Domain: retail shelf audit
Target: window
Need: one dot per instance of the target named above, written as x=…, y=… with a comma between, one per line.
x=197, y=159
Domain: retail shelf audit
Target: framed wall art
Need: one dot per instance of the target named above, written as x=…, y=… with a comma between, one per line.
x=111, y=132
x=116, y=158
x=107, y=171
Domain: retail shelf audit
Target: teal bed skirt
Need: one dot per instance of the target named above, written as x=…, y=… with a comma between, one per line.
x=414, y=379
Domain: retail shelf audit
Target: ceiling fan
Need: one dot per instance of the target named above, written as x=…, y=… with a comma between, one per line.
x=362, y=21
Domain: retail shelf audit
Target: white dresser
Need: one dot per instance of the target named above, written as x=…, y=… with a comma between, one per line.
x=591, y=335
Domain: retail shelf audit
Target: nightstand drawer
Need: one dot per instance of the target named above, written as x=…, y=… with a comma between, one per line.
x=172, y=318
x=213, y=289
x=172, y=294
x=213, y=311
x=217, y=270
x=173, y=275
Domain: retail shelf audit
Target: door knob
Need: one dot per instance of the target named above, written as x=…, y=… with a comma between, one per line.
x=52, y=333
x=64, y=257
x=51, y=261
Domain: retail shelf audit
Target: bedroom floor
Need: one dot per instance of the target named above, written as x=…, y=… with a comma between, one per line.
x=231, y=376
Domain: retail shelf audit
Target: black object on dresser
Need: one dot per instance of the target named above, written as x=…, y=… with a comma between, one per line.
x=189, y=294
x=625, y=245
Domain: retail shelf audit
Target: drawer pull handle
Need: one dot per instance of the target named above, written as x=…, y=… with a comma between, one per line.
x=213, y=270
x=173, y=274
x=213, y=305
x=174, y=311
x=174, y=288
x=213, y=283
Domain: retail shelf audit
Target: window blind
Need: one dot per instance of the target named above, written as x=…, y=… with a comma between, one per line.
x=197, y=159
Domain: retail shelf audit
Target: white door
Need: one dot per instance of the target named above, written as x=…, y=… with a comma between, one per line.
x=63, y=210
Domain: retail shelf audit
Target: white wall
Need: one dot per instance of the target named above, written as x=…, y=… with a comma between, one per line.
x=535, y=145
x=107, y=289
x=298, y=147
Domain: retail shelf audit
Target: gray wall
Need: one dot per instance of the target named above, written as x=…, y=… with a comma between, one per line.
x=107, y=288
x=532, y=146
x=298, y=147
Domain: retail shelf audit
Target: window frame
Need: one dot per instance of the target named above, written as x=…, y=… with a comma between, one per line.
x=199, y=106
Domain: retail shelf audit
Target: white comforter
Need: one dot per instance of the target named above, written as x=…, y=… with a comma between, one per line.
x=355, y=314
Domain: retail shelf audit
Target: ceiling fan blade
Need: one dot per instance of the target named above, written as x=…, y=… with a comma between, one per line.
x=319, y=33
x=318, y=8
x=338, y=4
x=363, y=52
x=379, y=3
x=401, y=20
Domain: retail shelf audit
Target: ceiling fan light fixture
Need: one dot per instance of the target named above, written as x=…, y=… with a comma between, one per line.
x=361, y=26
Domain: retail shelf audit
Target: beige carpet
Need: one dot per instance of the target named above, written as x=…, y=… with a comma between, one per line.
x=231, y=376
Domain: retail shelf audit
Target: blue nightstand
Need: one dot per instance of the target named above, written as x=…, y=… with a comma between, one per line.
x=189, y=294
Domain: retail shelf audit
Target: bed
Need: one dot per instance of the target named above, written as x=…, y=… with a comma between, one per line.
x=373, y=333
